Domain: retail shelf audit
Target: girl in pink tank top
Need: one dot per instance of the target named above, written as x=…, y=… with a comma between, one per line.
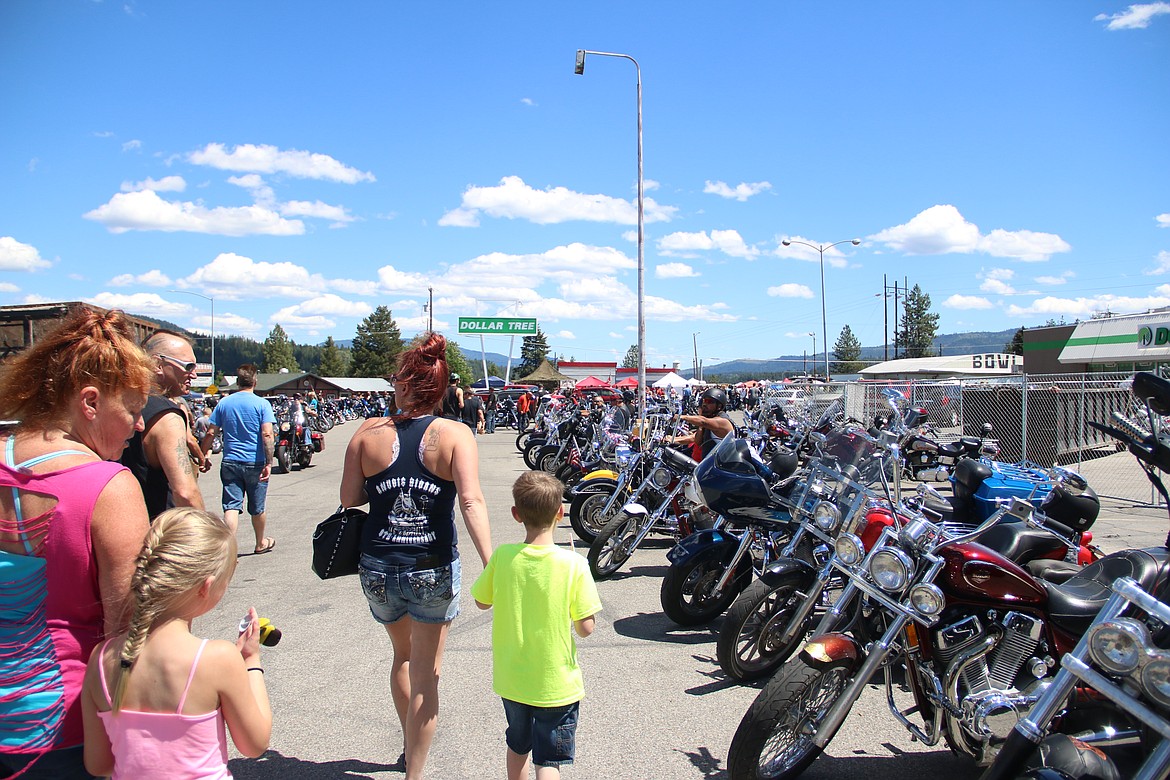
x=156, y=699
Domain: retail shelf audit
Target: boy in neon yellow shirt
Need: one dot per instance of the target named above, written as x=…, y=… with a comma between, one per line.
x=539, y=591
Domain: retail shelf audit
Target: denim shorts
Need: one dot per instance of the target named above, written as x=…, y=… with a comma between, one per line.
x=240, y=479
x=549, y=733
x=429, y=594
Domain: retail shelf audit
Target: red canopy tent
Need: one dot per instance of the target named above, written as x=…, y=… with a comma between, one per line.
x=591, y=382
x=630, y=381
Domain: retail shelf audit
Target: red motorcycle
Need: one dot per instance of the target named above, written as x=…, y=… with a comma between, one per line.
x=291, y=447
x=972, y=634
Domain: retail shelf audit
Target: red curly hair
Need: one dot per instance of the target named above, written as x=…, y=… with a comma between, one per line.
x=87, y=348
x=423, y=370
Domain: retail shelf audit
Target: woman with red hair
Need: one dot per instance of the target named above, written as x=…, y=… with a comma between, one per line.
x=410, y=468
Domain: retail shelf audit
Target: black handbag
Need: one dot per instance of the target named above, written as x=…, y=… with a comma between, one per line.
x=337, y=543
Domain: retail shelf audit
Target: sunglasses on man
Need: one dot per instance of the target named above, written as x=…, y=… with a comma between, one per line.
x=187, y=367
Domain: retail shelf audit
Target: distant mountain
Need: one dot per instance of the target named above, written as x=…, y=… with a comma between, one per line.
x=948, y=344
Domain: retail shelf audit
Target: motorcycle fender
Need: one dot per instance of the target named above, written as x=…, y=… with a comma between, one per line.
x=602, y=474
x=700, y=541
x=594, y=484
x=832, y=648
x=785, y=566
x=635, y=509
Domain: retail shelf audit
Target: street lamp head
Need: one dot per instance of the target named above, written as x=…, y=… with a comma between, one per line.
x=579, y=68
x=856, y=242
x=786, y=242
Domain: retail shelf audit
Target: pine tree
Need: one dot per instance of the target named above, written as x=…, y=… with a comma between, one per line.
x=532, y=353
x=278, y=351
x=332, y=360
x=1016, y=345
x=376, y=346
x=631, y=358
x=847, y=353
x=919, y=325
x=457, y=363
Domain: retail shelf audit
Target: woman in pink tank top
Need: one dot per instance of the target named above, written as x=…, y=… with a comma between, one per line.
x=71, y=524
x=156, y=698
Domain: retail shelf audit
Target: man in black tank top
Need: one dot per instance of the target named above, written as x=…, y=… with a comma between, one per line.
x=453, y=401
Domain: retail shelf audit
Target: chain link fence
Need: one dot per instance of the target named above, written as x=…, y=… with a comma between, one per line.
x=1041, y=418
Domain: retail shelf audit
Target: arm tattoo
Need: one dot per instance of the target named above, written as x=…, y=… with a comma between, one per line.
x=183, y=455
x=432, y=439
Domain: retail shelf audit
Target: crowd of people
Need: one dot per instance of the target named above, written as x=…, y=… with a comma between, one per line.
x=107, y=555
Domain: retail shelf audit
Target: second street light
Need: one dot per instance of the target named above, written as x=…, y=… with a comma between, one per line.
x=212, y=300
x=821, y=251
x=579, y=69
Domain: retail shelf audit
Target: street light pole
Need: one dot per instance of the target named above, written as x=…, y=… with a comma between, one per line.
x=579, y=69
x=212, y=301
x=824, y=326
x=814, y=354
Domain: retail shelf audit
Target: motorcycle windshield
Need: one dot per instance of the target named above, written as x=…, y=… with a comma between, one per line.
x=849, y=445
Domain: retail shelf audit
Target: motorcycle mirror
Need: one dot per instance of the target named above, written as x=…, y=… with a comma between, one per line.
x=985, y=431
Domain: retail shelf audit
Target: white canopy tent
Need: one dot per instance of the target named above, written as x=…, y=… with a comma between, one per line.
x=693, y=382
x=671, y=380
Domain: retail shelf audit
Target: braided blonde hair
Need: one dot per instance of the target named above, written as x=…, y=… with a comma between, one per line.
x=183, y=548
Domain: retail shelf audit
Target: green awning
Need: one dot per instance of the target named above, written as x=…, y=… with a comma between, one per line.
x=1140, y=338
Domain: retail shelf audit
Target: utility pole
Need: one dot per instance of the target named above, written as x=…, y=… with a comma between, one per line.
x=885, y=313
x=431, y=311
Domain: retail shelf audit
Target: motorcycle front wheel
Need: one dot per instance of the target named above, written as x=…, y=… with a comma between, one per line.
x=522, y=439
x=305, y=457
x=546, y=458
x=283, y=460
x=749, y=644
x=585, y=514
x=774, y=740
x=529, y=452
x=614, y=545
x=687, y=593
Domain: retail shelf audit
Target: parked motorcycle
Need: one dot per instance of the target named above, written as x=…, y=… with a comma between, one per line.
x=290, y=442
x=971, y=633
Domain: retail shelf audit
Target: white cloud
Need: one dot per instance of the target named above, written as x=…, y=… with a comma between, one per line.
x=995, y=287
x=683, y=244
x=1162, y=264
x=674, y=271
x=8, y=287
x=152, y=278
x=1163, y=220
x=798, y=251
x=528, y=101
x=649, y=184
x=34, y=298
x=1085, y=307
x=15, y=256
x=967, y=302
x=790, y=291
x=1054, y=280
x=332, y=305
x=1001, y=274
x=1136, y=17
x=165, y=184
x=142, y=303
x=289, y=320
x=303, y=208
x=740, y=192
x=145, y=210
x=614, y=335
x=942, y=230
x=264, y=158
x=566, y=334
x=234, y=277
x=230, y=323
x=513, y=199
x=132, y=145
x=254, y=183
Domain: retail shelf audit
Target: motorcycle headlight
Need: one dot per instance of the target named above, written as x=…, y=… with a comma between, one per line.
x=286, y=427
x=927, y=599
x=826, y=515
x=661, y=478
x=1116, y=645
x=890, y=569
x=849, y=549
x=1156, y=680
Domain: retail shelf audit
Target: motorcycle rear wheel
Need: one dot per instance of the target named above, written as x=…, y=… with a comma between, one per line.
x=530, y=450
x=686, y=594
x=774, y=740
x=585, y=514
x=614, y=545
x=748, y=646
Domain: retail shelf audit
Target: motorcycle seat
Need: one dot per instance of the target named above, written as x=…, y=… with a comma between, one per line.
x=1049, y=570
x=1073, y=605
x=940, y=507
x=678, y=460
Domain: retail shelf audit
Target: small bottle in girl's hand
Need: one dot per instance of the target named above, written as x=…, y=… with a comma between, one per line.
x=269, y=634
x=133, y=723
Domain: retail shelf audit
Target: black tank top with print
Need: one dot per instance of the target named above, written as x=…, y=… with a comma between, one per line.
x=412, y=511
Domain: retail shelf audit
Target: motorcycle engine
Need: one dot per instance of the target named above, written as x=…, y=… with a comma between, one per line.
x=982, y=674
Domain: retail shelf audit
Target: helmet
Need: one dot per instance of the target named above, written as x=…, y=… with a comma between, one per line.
x=628, y=396
x=716, y=394
x=453, y=378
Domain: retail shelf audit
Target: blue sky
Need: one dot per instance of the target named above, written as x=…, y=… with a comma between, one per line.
x=302, y=163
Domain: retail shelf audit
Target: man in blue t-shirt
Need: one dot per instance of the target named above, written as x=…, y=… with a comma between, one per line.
x=247, y=423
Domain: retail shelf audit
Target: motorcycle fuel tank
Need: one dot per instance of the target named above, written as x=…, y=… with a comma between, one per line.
x=977, y=574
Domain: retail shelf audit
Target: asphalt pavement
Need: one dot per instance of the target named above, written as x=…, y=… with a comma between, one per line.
x=656, y=706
